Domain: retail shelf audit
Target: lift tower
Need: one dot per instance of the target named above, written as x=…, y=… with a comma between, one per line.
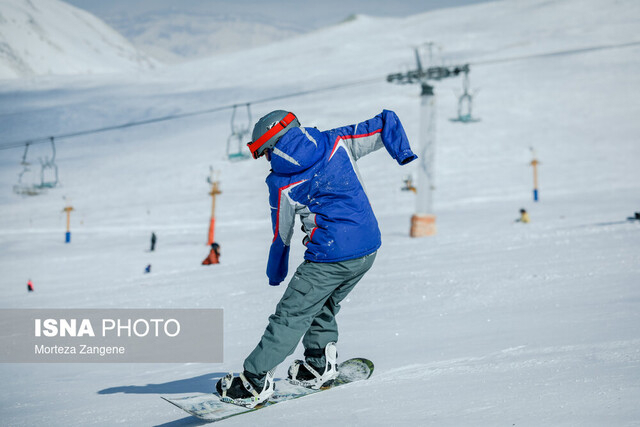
x=423, y=222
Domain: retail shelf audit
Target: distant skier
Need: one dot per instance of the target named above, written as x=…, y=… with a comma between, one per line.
x=524, y=216
x=313, y=175
x=29, y=286
x=153, y=241
x=214, y=255
x=147, y=269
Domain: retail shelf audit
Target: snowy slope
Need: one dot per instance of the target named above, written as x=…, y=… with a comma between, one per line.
x=39, y=37
x=488, y=323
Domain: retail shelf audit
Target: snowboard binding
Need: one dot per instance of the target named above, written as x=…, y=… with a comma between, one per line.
x=306, y=375
x=240, y=391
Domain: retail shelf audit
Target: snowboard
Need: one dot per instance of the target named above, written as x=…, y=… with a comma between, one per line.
x=209, y=407
x=636, y=216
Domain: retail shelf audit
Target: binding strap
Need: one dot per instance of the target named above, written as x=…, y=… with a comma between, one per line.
x=228, y=380
x=247, y=385
x=296, y=367
x=226, y=383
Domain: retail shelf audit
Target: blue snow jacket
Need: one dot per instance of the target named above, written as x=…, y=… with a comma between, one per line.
x=314, y=175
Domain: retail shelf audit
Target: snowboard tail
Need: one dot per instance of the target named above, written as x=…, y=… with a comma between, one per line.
x=209, y=406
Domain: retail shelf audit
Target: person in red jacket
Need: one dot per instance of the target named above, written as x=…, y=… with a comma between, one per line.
x=214, y=255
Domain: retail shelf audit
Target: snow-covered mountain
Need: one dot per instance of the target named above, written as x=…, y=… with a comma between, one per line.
x=39, y=37
x=175, y=36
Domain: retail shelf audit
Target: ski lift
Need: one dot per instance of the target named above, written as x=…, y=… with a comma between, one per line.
x=46, y=164
x=237, y=141
x=465, y=103
x=26, y=179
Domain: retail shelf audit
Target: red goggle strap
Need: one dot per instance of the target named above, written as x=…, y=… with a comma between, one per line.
x=255, y=145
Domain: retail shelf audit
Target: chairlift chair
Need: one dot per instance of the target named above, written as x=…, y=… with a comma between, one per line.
x=236, y=143
x=465, y=103
x=47, y=163
x=28, y=180
x=26, y=184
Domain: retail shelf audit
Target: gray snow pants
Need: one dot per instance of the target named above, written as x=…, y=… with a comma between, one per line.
x=307, y=308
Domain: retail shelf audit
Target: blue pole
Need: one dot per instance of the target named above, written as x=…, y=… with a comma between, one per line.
x=67, y=237
x=535, y=194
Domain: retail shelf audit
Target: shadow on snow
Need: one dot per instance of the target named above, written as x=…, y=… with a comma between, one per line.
x=200, y=384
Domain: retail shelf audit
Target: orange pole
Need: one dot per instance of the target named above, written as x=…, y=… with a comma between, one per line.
x=213, y=193
x=68, y=210
x=212, y=226
x=534, y=163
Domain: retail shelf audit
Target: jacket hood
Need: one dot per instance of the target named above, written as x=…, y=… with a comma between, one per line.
x=296, y=151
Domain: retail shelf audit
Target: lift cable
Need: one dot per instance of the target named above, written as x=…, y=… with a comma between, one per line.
x=557, y=53
x=302, y=93
x=187, y=114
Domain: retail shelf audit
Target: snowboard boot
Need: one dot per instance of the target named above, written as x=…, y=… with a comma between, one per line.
x=312, y=374
x=245, y=390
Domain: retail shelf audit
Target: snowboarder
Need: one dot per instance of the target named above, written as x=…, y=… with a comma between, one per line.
x=524, y=216
x=214, y=255
x=314, y=175
x=29, y=286
x=153, y=241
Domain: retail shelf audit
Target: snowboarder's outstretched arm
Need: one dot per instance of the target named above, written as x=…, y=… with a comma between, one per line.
x=385, y=129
